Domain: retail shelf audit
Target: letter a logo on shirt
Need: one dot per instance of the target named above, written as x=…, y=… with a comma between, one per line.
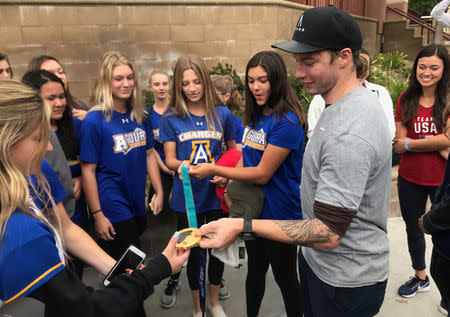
x=120, y=143
x=125, y=142
x=201, y=152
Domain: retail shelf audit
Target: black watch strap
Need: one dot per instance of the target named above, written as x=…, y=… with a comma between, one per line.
x=247, y=232
x=247, y=225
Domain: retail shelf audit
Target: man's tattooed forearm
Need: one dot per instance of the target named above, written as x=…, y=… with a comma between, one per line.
x=307, y=232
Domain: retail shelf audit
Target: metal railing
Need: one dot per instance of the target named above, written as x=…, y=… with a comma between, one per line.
x=423, y=25
x=350, y=6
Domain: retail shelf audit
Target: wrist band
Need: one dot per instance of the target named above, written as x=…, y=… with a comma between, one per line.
x=95, y=211
x=406, y=146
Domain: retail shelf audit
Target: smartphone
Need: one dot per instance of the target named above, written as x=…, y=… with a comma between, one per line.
x=131, y=259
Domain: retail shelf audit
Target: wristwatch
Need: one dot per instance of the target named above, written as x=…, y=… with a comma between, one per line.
x=247, y=233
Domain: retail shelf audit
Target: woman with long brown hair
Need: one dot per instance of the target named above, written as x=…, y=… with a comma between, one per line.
x=418, y=136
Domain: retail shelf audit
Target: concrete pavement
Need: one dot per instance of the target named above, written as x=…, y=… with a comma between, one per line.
x=423, y=304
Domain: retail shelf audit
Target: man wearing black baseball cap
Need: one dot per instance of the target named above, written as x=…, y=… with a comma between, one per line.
x=346, y=174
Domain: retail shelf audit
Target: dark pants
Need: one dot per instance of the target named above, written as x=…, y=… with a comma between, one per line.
x=215, y=266
x=283, y=259
x=440, y=271
x=413, y=200
x=127, y=232
x=323, y=300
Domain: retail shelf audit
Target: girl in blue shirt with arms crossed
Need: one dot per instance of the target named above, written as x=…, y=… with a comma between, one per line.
x=193, y=133
x=272, y=151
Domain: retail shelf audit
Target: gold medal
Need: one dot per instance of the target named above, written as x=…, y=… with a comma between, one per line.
x=187, y=239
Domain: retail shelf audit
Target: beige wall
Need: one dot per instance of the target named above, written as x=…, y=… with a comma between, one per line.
x=400, y=38
x=152, y=33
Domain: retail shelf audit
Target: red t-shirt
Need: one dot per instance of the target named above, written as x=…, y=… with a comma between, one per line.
x=422, y=168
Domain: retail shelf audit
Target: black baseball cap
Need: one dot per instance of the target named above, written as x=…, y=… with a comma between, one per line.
x=322, y=28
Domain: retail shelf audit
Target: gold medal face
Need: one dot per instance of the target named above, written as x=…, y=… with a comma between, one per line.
x=187, y=239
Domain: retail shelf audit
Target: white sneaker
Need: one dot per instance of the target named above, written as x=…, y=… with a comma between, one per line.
x=216, y=311
x=442, y=308
x=194, y=314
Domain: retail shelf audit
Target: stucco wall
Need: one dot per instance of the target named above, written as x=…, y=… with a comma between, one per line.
x=152, y=33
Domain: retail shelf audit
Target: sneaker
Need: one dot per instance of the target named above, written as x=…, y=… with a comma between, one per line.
x=169, y=296
x=224, y=293
x=194, y=314
x=414, y=285
x=442, y=308
x=216, y=311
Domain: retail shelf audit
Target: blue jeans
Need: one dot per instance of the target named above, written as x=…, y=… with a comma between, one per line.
x=323, y=300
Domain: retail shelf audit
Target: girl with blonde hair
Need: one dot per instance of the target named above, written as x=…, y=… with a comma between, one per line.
x=229, y=96
x=193, y=133
x=32, y=255
x=159, y=84
x=115, y=153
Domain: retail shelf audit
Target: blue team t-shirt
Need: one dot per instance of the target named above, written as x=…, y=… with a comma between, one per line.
x=238, y=129
x=282, y=191
x=156, y=122
x=29, y=256
x=56, y=188
x=119, y=148
x=197, y=144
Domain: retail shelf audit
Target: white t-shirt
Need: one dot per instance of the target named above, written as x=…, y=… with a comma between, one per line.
x=318, y=105
x=438, y=12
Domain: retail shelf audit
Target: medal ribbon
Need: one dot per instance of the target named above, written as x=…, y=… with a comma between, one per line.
x=192, y=219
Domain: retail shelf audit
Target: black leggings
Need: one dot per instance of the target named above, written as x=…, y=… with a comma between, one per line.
x=127, y=232
x=413, y=200
x=215, y=266
x=283, y=259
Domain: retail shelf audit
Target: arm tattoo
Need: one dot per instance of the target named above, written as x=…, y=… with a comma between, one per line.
x=307, y=232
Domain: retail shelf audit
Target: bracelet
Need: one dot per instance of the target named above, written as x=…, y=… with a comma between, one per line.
x=95, y=211
x=406, y=146
x=225, y=192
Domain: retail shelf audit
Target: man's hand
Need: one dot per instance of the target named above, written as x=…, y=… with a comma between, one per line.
x=223, y=232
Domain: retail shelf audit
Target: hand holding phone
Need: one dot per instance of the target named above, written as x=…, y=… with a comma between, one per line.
x=131, y=259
